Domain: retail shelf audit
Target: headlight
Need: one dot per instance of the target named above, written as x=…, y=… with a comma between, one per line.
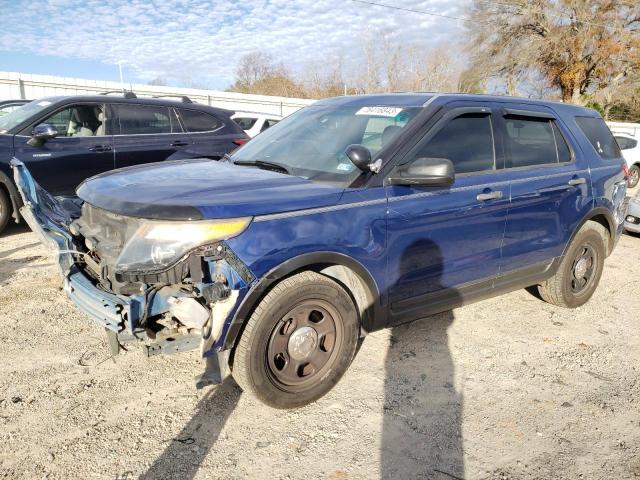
x=157, y=245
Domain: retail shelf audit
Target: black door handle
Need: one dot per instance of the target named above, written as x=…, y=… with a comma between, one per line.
x=179, y=143
x=100, y=148
x=577, y=181
x=495, y=195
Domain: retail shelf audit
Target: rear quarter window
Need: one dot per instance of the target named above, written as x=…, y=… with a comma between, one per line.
x=195, y=121
x=626, y=143
x=599, y=136
x=245, y=123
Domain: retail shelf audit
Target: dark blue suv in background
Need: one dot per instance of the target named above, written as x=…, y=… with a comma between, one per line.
x=351, y=215
x=64, y=140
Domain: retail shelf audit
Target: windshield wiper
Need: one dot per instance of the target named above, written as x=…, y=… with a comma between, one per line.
x=276, y=167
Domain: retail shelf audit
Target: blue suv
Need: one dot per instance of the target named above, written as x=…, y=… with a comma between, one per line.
x=353, y=214
x=64, y=140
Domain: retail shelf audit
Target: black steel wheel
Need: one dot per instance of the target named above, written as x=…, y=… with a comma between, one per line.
x=298, y=342
x=579, y=272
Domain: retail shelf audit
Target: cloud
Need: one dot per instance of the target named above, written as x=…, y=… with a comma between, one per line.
x=203, y=40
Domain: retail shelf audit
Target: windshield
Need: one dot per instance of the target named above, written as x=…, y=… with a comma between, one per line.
x=15, y=118
x=311, y=142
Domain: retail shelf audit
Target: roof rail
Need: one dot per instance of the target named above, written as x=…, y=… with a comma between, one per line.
x=125, y=94
x=183, y=98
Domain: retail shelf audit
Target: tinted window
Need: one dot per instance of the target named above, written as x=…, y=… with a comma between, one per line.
x=466, y=140
x=564, y=154
x=199, y=121
x=531, y=141
x=599, y=136
x=245, y=123
x=8, y=109
x=79, y=121
x=626, y=143
x=268, y=123
x=143, y=119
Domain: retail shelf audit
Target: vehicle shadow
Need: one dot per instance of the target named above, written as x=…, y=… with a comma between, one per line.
x=183, y=457
x=422, y=418
x=14, y=229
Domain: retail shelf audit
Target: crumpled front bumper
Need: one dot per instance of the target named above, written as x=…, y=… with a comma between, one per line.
x=50, y=221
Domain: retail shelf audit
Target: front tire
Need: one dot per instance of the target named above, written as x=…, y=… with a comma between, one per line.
x=298, y=342
x=634, y=176
x=580, y=270
x=5, y=210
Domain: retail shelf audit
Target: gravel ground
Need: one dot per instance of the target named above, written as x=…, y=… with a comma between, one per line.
x=508, y=388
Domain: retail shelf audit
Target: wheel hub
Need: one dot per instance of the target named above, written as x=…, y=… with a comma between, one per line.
x=581, y=267
x=302, y=343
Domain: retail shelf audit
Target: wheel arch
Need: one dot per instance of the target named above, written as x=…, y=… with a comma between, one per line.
x=7, y=186
x=351, y=274
x=603, y=217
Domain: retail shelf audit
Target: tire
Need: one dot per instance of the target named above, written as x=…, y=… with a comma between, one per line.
x=5, y=209
x=580, y=269
x=634, y=176
x=298, y=343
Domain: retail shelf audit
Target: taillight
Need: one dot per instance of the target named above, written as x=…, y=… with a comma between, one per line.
x=240, y=141
x=625, y=170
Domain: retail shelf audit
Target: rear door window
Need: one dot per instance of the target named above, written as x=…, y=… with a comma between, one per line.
x=532, y=141
x=145, y=120
x=195, y=121
x=599, y=136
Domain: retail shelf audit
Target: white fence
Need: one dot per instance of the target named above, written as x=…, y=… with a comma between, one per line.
x=20, y=85
x=621, y=127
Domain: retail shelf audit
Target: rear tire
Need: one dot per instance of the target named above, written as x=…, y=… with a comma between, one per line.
x=298, y=343
x=5, y=210
x=634, y=176
x=580, y=270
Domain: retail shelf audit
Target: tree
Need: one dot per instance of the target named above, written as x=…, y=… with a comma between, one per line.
x=581, y=47
x=259, y=74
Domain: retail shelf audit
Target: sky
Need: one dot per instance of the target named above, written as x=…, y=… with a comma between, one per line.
x=197, y=42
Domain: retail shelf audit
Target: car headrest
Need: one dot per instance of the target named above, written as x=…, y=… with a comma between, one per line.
x=84, y=115
x=389, y=132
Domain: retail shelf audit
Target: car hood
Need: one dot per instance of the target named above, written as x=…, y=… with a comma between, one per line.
x=202, y=189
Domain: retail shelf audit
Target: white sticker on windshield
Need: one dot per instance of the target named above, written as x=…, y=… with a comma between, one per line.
x=345, y=167
x=379, y=111
x=44, y=103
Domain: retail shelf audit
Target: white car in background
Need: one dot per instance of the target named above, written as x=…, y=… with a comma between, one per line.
x=628, y=138
x=630, y=147
x=254, y=123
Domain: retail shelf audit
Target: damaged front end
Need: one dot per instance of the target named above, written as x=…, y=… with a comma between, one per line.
x=171, y=285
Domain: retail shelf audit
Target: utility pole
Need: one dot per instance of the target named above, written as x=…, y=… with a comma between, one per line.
x=121, y=78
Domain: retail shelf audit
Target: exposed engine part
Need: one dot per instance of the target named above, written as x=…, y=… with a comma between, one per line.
x=188, y=311
x=215, y=292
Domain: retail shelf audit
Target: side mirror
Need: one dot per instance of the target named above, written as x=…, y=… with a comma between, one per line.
x=360, y=156
x=432, y=172
x=41, y=133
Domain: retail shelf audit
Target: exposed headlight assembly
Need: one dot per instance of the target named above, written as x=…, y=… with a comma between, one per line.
x=157, y=245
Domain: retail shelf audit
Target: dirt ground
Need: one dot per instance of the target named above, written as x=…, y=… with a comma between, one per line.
x=508, y=388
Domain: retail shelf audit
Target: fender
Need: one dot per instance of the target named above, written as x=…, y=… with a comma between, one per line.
x=14, y=198
x=257, y=291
